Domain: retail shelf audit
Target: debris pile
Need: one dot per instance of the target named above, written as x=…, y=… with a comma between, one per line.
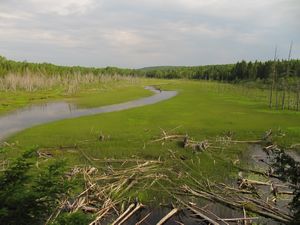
x=184, y=140
x=105, y=191
x=107, y=188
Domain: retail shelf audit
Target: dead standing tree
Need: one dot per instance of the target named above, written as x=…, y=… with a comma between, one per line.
x=283, y=93
x=298, y=96
x=273, y=78
x=287, y=74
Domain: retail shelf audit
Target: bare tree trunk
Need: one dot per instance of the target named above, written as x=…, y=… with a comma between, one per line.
x=273, y=79
x=276, y=92
x=298, y=96
x=288, y=73
x=271, y=95
x=283, y=95
x=288, y=98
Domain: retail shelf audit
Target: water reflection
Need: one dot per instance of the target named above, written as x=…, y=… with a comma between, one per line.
x=287, y=168
x=282, y=167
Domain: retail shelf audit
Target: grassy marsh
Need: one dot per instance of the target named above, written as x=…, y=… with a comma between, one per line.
x=202, y=110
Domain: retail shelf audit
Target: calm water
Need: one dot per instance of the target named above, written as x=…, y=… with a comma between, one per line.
x=39, y=114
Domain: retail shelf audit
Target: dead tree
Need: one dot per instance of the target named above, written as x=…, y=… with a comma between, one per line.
x=288, y=73
x=273, y=78
x=285, y=78
x=298, y=96
x=276, y=91
x=283, y=93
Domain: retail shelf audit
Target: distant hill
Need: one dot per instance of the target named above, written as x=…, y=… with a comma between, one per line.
x=162, y=68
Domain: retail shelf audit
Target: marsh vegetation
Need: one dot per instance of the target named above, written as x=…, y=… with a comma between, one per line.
x=159, y=163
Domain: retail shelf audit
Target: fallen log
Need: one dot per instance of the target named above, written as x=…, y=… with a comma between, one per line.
x=89, y=209
x=138, y=207
x=103, y=212
x=239, y=219
x=266, y=174
x=247, y=142
x=170, y=137
x=239, y=204
x=254, y=182
x=130, y=207
x=295, y=145
x=168, y=216
x=44, y=154
x=202, y=215
x=197, y=146
x=209, y=213
x=143, y=219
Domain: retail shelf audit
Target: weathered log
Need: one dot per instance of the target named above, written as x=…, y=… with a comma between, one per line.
x=130, y=207
x=203, y=216
x=168, y=216
x=138, y=207
x=143, y=219
x=239, y=219
x=89, y=209
x=170, y=137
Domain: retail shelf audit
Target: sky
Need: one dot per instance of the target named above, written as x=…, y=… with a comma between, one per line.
x=140, y=33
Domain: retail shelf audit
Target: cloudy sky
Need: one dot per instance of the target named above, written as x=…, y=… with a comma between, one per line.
x=138, y=33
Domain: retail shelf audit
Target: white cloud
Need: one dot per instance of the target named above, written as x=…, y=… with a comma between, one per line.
x=14, y=16
x=63, y=7
x=123, y=38
x=148, y=32
x=39, y=36
x=199, y=29
x=202, y=31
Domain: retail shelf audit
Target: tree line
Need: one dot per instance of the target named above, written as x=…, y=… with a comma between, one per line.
x=241, y=71
x=281, y=77
x=11, y=66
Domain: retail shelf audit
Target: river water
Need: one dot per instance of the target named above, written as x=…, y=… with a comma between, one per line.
x=43, y=113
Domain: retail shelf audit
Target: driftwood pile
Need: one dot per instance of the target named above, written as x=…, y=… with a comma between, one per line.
x=105, y=192
x=200, y=146
x=44, y=154
x=248, y=195
x=236, y=199
x=184, y=140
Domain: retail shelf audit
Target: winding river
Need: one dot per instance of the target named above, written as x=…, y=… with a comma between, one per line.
x=39, y=114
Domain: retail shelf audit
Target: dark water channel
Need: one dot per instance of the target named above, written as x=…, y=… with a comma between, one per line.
x=39, y=114
x=255, y=158
x=285, y=165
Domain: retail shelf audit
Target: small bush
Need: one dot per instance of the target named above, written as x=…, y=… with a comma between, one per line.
x=27, y=197
x=77, y=218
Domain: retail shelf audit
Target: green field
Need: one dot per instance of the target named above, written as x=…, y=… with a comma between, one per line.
x=202, y=110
